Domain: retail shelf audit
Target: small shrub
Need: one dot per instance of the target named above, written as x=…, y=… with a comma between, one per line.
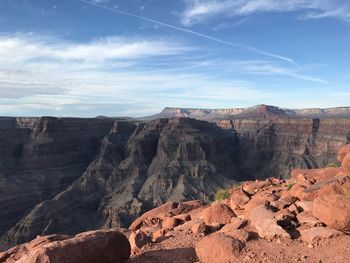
x=276, y=185
x=332, y=165
x=222, y=194
x=289, y=186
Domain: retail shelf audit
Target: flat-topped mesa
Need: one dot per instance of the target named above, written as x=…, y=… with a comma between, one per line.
x=258, y=111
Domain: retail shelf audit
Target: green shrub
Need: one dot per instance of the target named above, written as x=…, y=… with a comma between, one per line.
x=222, y=194
x=332, y=165
x=289, y=186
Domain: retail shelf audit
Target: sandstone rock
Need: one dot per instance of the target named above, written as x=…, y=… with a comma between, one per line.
x=333, y=210
x=231, y=231
x=346, y=164
x=105, y=246
x=265, y=223
x=218, y=213
x=253, y=187
x=238, y=223
x=218, y=248
x=159, y=235
x=284, y=217
x=171, y=222
x=238, y=198
x=138, y=239
x=305, y=205
x=199, y=228
x=307, y=219
x=317, y=234
x=183, y=217
x=343, y=151
x=293, y=209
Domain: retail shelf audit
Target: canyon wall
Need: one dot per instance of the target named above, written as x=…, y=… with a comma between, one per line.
x=65, y=175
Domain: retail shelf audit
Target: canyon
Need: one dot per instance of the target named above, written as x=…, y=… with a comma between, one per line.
x=68, y=175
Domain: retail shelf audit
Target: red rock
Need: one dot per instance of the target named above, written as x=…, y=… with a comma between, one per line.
x=159, y=234
x=171, y=222
x=317, y=234
x=305, y=205
x=238, y=223
x=238, y=199
x=218, y=248
x=308, y=220
x=138, y=239
x=183, y=217
x=343, y=151
x=284, y=217
x=231, y=231
x=105, y=246
x=199, y=228
x=153, y=216
x=218, y=214
x=253, y=187
x=346, y=164
x=265, y=223
x=333, y=210
x=158, y=214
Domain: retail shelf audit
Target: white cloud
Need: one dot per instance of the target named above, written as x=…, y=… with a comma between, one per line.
x=19, y=49
x=119, y=76
x=269, y=68
x=199, y=10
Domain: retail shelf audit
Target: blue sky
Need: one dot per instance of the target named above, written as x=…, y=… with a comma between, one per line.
x=135, y=57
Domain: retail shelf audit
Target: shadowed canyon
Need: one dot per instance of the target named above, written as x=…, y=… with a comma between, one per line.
x=68, y=175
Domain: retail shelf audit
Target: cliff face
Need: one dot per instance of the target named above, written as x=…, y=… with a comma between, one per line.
x=70, y=175
x=39, y=158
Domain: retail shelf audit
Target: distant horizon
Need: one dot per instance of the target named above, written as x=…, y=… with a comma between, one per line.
x=132, y=58
x=167, y=107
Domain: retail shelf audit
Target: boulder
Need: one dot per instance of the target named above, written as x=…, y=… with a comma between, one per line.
x=238, y=199
x=159, y=235
x=218, y=247
x=138, y=239
x=253, y=187
x=266, y=225
x=183, y=217
x=346, y=164
x=305, y=205
x=231, y=231
x=218, y=214
x=238, y=223
x=171, y=222
x=103, y=246
x=317, y=234
x=284, y=217
x=154, y=216
x=343, y=151
x=308, y=220
x=158, y=214
x=199, y=228
x=333, y=210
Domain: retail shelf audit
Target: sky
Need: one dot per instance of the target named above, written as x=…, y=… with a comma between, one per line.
x=134, y=57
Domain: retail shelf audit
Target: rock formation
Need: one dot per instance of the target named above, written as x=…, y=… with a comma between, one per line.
x=66, y=175
x=281, y=221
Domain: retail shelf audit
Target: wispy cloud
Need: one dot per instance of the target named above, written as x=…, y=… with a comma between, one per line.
x=14, y=49
x=269, y=68
x=195, y=33
x=57, y=77
x=199, y=10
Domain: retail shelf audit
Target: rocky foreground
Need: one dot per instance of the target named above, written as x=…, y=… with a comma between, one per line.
x=305, y=219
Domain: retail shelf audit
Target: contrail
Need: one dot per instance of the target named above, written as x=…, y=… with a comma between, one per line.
x=182, y=29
